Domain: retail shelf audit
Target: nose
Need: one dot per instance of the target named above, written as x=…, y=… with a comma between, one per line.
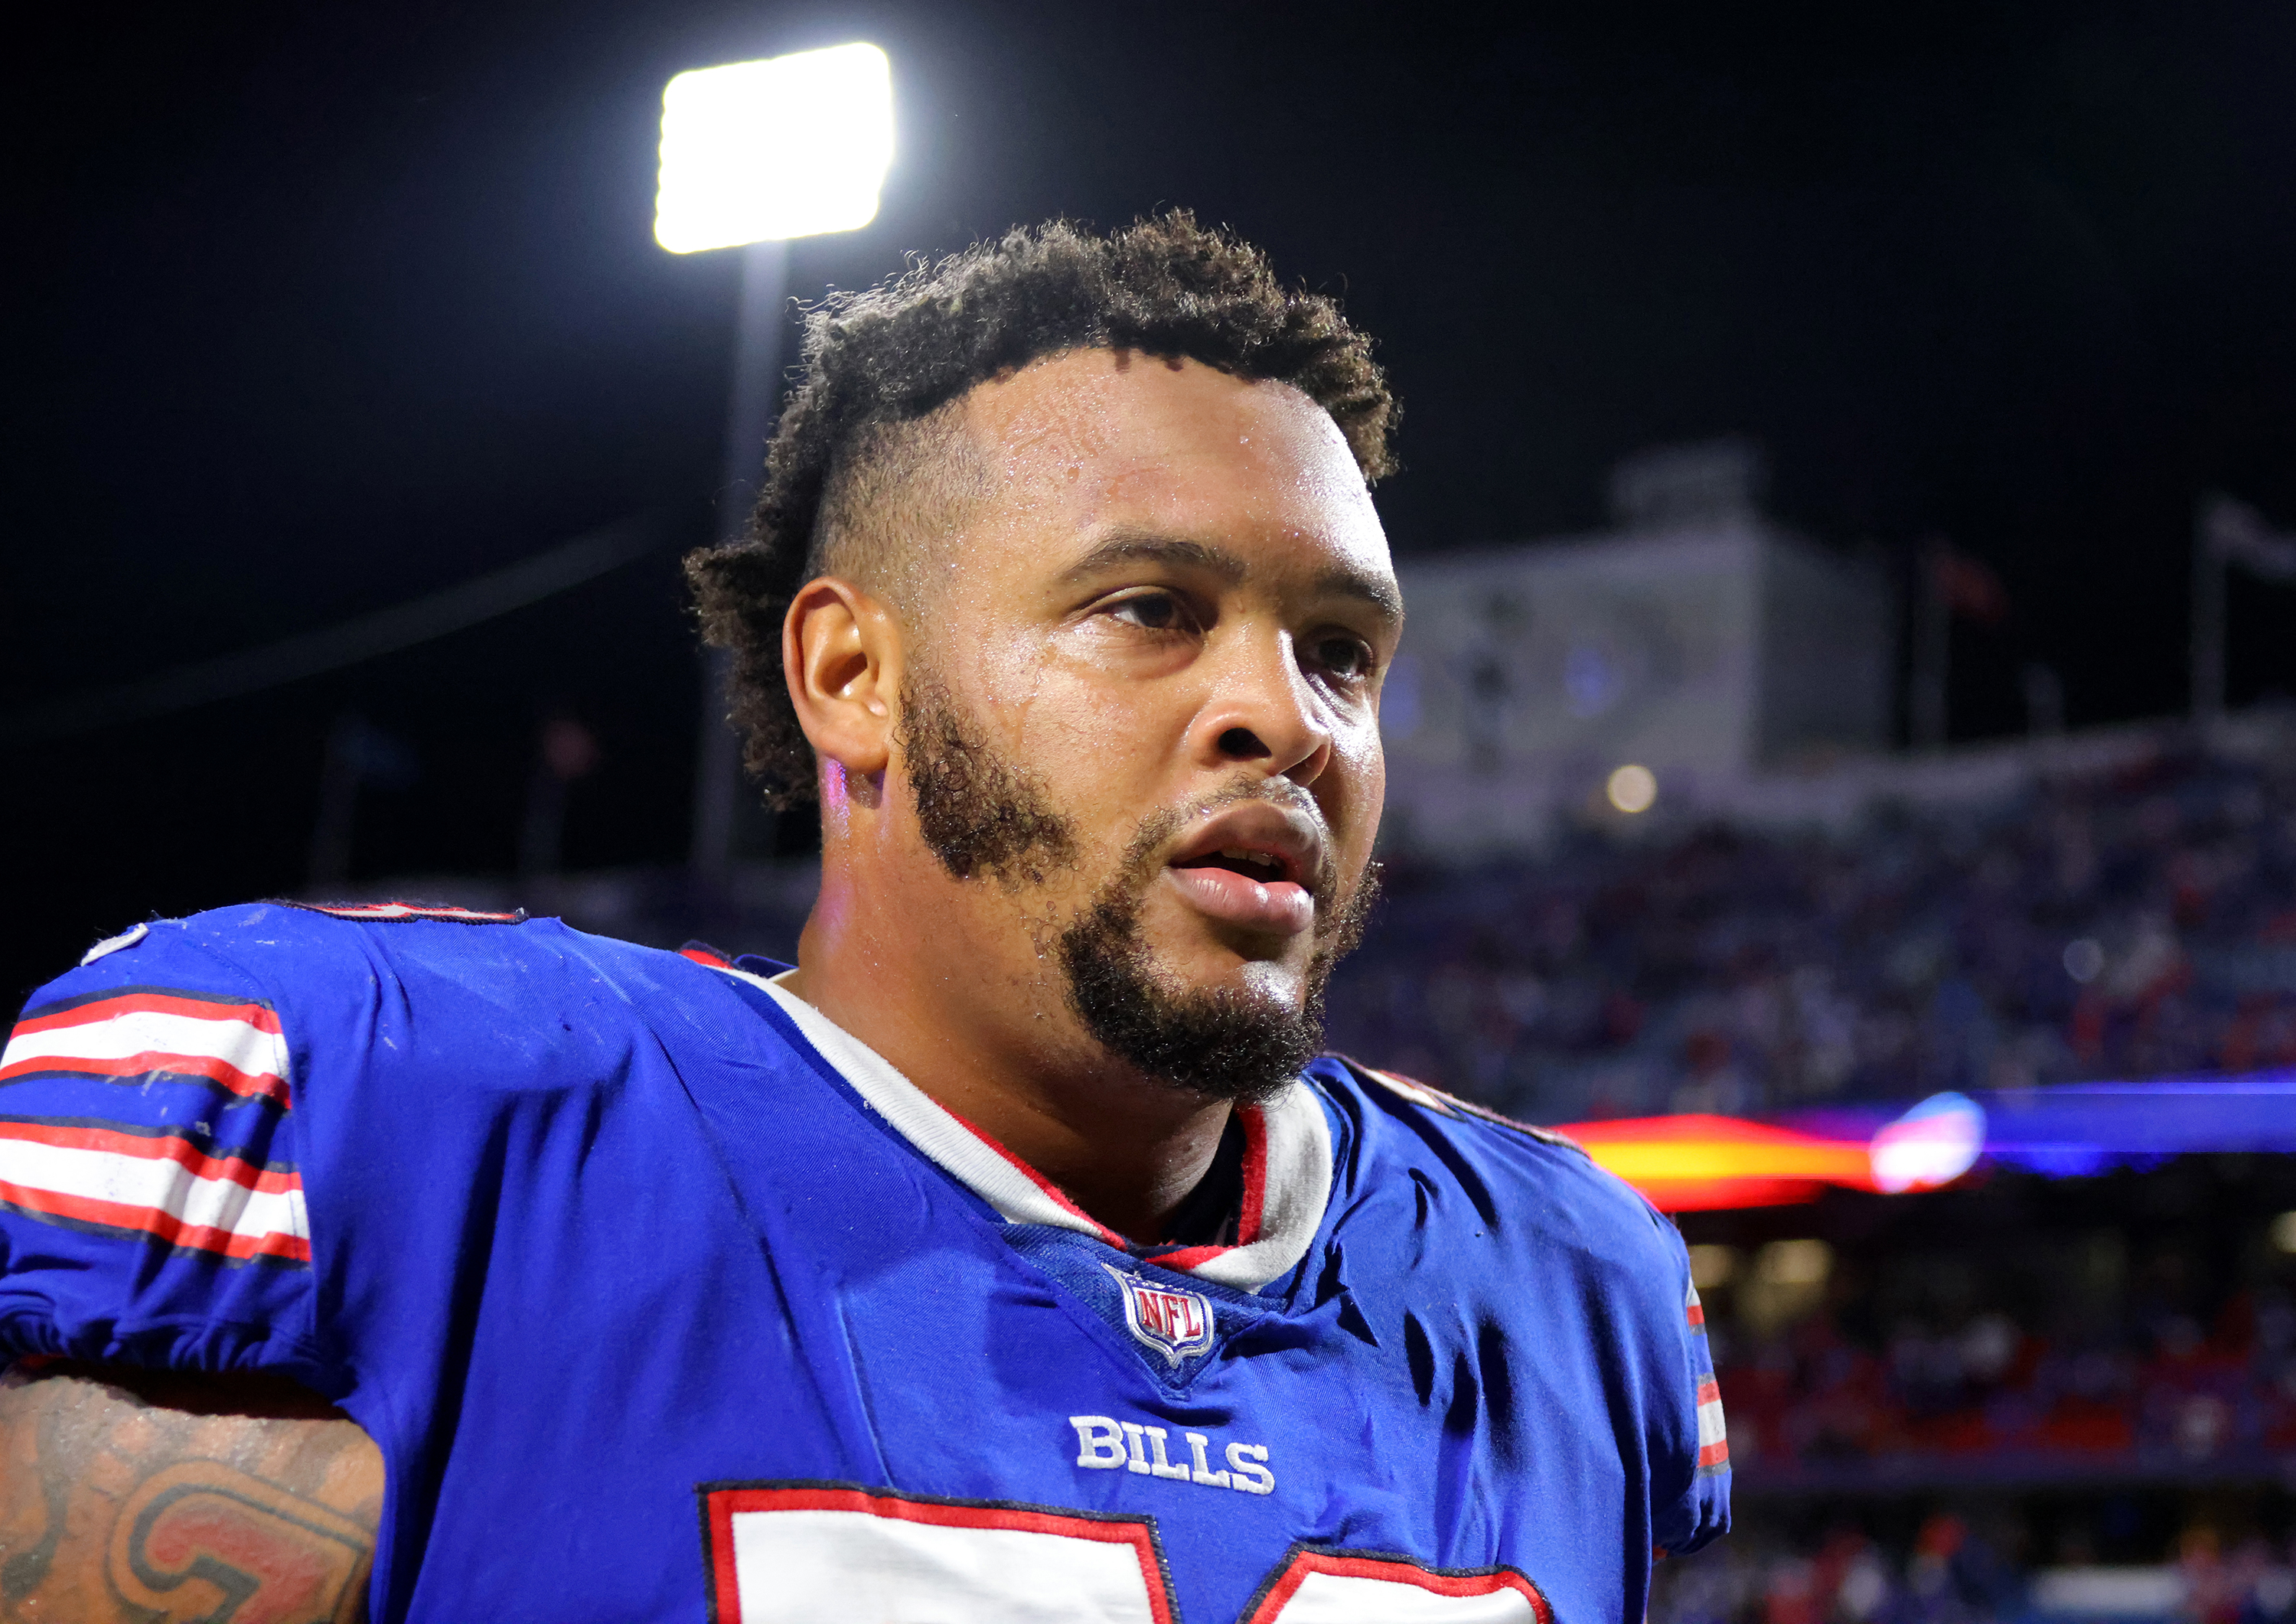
x=1263, y=712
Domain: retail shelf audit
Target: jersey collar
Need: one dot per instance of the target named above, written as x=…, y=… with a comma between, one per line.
x=1287, y=1160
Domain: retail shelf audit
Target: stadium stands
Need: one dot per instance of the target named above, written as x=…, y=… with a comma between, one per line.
x=2130, y=922
x=1958, y=1405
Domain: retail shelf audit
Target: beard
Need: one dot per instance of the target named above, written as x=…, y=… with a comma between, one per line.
x=984, y=818
x=1233, y=1043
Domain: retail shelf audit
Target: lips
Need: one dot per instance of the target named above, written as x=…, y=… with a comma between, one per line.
x=1253, y=866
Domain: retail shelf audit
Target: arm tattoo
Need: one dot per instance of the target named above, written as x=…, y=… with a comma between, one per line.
x=143, y=1497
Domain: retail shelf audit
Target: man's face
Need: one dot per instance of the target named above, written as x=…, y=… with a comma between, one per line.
x=1140, y=725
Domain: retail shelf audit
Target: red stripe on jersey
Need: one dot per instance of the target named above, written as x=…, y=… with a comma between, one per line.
x=1187, y=1258
x=1306, y=1560
x=1697, y=1312
x=1059, y=1196
x=1715, y=1454
x=721, y=1506
x=1709, y=1391
x=704, y=955
x=152, y=1221
x=248, y=1085
x=1255, y=1197
x=152, y=1001
x=232, y=1169
x=1255, y=1174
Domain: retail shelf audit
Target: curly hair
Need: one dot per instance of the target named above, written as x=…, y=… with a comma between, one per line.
x=877, y=362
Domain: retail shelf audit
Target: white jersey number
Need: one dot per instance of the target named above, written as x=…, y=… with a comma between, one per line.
x=822, y=1554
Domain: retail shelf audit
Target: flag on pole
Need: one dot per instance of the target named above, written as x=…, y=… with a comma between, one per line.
x=2237, y=534
x=1967, y=586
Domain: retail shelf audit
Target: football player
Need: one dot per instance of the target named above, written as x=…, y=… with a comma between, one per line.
x=1012, y=1255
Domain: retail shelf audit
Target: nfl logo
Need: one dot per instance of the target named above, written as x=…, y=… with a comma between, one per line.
x=1175, y=1323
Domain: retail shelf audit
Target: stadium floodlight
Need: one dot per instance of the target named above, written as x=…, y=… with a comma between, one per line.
x=792, y=146
x=752, y=154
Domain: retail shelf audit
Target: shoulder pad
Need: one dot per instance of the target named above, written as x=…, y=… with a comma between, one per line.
x=395, y=912
x=1450, y=1105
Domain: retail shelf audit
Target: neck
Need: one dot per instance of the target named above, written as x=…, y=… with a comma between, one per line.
x=988, y=1035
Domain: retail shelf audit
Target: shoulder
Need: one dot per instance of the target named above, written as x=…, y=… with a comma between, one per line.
x=293, y=941
x=433, y=945
x=390, y=981
x=1426, y=1098
x=1539, y=1185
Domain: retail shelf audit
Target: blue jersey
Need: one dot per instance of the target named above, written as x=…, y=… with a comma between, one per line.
x=665, y=1298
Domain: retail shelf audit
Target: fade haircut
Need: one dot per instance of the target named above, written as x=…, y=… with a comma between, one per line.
x=870, y=451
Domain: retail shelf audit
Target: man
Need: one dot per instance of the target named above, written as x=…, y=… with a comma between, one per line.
x=1009, y=1257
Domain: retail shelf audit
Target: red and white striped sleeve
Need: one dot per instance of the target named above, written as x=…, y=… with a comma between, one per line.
x=152, y=1211
x=1696, y=1506
x=1713, y=1437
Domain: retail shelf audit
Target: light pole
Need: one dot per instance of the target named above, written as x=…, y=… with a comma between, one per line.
x=752, y=154
x=2208, y=642
x=2226, y=532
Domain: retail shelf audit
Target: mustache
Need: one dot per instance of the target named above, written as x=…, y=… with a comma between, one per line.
x=1144, y=855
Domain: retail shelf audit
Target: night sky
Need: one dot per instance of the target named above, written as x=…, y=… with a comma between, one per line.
x=318, y=308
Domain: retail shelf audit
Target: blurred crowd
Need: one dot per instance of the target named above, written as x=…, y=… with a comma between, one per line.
x=2056, y=1385
x=1954, y=1569
x=1961, y=1398
x=2141, y=1320
x=1764, y=1576
x=2137, y=923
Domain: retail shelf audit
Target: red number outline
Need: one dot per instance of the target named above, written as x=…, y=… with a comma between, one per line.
x=721, y=1501
x=1302, y=1561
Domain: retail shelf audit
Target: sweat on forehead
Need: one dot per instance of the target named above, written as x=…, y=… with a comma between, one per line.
x=1072, y=433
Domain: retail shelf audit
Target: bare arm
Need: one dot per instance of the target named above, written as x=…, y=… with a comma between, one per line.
x=152, y=1498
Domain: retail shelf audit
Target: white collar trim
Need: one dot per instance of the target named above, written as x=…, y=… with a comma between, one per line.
x=1289, y=1141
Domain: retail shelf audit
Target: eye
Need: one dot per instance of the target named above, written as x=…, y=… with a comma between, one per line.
x=1154, y=612
x=1343, y=656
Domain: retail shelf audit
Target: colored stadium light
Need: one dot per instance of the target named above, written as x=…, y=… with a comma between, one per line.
x=1632, y=789
x=792, y=146
x=2064, y=1130
x=1694, y=1163
x=1930, y=1145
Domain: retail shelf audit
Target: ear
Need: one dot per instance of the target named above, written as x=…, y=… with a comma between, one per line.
x=841, y=657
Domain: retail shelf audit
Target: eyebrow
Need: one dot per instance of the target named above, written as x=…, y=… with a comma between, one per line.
x=1134, y=546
